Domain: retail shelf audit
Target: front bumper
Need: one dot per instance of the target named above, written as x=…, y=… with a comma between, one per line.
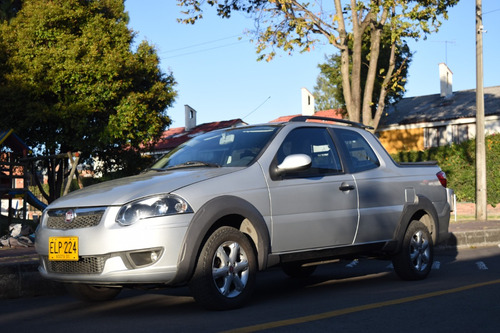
x=109, y=253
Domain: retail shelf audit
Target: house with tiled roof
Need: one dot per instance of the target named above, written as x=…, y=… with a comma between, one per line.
x=417, y=123
x=174, y=137
x=332, y=113
x=308, y=109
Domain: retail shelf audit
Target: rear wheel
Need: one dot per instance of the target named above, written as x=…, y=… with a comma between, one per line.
x=414, y=261
x=225, y=273
x=91, y=293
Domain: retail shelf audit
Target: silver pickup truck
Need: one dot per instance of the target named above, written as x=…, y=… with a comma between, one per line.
x=229, y=203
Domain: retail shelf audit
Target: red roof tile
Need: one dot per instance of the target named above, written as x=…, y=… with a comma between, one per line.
x=332, y=113
x=173, y=137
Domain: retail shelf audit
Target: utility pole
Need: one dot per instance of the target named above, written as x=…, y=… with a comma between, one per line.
x=481, y=199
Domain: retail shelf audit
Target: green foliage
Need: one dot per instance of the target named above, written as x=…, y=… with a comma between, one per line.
x=297, y=26
x=9, y=9
x=328, y=92
x=130, y=163
x=71, y=82
x=458, y=161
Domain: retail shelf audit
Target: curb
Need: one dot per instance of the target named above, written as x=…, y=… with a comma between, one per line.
x=21, y=279
x=472, y=238
x=19, y=275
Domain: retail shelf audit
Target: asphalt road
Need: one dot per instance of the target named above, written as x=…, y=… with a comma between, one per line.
x=462, y=294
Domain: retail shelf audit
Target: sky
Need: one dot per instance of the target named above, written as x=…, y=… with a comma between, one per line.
x=215, y=64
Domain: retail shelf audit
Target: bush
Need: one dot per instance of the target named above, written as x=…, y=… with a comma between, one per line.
x=459, y=163
x=119, y=164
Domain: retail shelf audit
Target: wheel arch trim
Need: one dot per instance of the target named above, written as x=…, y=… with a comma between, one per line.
x=206, y=218
x=422, y=207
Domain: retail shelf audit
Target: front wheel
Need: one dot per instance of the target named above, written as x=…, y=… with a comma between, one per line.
x=90, y=293
x=225, y=273
x=414, y=261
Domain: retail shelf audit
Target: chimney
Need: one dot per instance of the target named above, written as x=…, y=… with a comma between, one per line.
x=189, y=117
x=307, y=102
x=446, y=79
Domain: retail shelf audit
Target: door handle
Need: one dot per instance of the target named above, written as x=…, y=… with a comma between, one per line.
x=346, y=187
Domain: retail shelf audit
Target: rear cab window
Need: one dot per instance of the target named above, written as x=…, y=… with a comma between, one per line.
x=359, y=153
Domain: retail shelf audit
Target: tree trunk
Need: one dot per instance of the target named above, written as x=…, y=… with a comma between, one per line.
x=383, y=91
x=371, y=76
x=344, y=63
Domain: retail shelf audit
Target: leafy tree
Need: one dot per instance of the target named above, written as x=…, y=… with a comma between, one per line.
x=71, y=82
x=328, y=92
x=9, y=8
x=293, y=25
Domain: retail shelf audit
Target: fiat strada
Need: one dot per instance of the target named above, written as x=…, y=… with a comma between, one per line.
x=229, y=203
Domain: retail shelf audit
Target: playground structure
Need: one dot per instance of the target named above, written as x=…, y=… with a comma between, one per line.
x=15, y=178
x=19, y=170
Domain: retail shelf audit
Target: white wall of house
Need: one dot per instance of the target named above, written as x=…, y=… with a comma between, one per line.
x=456, y=131
x=442, y=133
x=307, y=102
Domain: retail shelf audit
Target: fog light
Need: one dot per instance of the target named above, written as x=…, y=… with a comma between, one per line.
x=144, y=258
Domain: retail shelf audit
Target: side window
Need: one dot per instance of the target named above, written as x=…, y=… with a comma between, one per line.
x=315, y=142
x=361, y=155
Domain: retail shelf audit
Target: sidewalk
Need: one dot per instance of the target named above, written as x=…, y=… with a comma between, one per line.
x=19, y=275
x=473, y=233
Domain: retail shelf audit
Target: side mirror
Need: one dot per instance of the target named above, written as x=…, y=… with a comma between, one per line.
x=295, y=162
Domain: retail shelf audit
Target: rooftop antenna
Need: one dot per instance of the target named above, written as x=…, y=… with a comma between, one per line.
x=446, y=42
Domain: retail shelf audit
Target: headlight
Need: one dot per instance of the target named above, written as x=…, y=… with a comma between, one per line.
x=152, y=207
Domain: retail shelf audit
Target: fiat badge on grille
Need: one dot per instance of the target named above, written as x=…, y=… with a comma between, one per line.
x=70, y=216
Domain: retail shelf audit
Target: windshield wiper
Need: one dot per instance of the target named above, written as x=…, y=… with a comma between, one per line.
x=192, y=164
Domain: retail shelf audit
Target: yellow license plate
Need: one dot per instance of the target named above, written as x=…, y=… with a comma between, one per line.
x=63, y=248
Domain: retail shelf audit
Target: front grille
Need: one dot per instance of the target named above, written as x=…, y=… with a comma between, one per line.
x=86, y=265
x=83, y=218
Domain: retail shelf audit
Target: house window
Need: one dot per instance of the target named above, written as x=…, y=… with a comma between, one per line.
x=435, y=136
x=460, y=133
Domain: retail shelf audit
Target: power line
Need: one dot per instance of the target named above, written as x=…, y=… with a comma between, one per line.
x=200, y=44
x=257, y=107
x=200, y=51
x=491, y=11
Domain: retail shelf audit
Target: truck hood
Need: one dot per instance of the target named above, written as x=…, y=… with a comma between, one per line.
x=120, y=191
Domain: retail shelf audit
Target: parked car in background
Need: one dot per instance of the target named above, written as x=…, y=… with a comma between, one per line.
x=229, y=203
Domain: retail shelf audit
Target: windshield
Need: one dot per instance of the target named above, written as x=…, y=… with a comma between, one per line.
x=234, y=147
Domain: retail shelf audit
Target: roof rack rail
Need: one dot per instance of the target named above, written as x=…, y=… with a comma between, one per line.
x=343, y=121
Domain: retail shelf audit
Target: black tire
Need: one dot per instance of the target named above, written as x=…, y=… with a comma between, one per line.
x=225, y=273
x=296, y=270
x=90, y=293
x=414, y=261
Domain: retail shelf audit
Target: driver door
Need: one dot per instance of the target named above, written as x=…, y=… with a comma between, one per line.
x=313, y=208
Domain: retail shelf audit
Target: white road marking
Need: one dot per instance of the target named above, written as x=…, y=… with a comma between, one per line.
x=481, y=265
x=436, y=265
x=353, y=263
